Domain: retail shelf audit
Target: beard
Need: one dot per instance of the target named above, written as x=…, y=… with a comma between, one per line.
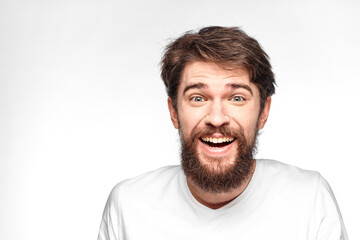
x=218, y=175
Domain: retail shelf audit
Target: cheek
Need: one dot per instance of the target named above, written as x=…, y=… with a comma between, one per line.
x=190, y=119
x=248, y=121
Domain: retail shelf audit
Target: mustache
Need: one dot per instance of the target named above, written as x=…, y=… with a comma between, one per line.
x=210, y=130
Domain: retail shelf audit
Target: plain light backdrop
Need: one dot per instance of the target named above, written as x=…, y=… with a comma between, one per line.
x=82, y=105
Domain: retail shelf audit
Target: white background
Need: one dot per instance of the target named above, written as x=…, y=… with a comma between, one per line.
x=82, y=105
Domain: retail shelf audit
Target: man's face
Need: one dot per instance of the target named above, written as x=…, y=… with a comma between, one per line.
x=218, y=115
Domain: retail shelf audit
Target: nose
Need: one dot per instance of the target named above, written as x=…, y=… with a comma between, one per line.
x=216, y=115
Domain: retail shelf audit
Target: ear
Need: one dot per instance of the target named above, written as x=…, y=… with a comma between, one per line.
x=264, y=114
x=173, y=114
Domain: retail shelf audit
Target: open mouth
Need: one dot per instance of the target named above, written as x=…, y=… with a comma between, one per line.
x=217, y=142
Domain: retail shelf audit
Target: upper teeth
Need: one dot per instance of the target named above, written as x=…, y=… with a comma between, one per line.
x=217, y=140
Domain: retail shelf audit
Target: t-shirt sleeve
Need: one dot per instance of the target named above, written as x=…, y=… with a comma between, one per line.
x=111, y=220
x=328, y=220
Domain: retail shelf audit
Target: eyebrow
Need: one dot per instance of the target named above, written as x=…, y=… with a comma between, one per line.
x=194, y=85
x=231, y=85
x=239, y=85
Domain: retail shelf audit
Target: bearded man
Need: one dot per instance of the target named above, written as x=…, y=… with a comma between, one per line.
x=219, y=84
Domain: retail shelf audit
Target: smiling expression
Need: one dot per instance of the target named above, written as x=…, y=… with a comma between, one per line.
x=210, y=96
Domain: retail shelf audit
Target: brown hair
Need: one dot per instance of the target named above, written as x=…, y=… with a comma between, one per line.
x=228, y=47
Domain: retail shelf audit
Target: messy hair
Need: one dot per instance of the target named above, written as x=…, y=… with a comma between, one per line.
x=228, y=47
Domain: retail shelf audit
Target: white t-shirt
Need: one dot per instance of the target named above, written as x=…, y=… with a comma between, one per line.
x=281, y=202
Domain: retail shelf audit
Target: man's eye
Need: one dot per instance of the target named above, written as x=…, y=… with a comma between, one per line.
x=238, y=99
x=198, y=99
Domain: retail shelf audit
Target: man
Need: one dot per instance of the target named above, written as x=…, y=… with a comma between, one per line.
x=219, y=82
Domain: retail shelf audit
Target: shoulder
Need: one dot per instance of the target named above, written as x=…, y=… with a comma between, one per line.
x=146, y=183
x=292, y=191
x=282, y=171
x=290, y=188
x=278, y=175
x=159, y=175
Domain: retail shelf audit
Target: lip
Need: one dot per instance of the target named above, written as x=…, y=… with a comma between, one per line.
x=216, y=135
x=216, y=151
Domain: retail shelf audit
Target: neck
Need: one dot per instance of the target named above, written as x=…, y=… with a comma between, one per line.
x=217, y=200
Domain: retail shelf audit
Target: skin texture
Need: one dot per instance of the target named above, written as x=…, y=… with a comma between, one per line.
x=209, y=95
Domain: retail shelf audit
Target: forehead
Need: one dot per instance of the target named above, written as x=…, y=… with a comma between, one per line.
x=214, y=75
